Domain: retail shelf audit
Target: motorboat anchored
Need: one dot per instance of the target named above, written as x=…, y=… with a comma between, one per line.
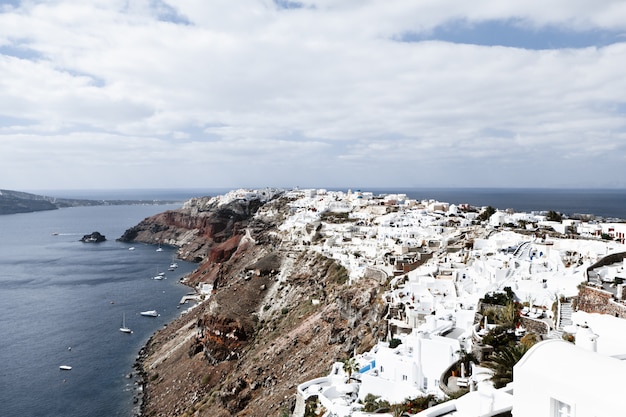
x=149, y=313
x=65, y=367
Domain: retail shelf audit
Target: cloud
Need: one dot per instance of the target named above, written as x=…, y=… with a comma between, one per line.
x=306, y=92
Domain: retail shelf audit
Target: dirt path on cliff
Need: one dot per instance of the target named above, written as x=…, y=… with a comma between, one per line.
x=171, y=346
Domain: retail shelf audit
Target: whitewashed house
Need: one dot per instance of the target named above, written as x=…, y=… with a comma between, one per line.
x=559, y=379
x=411, y=369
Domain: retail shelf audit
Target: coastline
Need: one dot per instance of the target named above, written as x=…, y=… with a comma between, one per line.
x=139, y=366
x=141, y=378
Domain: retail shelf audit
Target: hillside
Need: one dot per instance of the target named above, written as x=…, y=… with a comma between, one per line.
x=278, y=314
x=12, y=202
x=17, y=202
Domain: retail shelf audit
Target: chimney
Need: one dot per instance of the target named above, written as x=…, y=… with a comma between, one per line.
x=586, y=338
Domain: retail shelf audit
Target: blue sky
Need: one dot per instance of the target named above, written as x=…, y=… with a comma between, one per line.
x=344, y=93
x=515, y=33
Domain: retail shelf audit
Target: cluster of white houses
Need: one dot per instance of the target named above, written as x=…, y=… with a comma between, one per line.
x=441, y=260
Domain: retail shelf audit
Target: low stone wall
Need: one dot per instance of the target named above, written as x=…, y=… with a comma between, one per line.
x=376, y=273
x=534, y=326
x=594, y=300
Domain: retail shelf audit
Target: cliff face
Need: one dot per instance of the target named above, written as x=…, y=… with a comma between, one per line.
x=278, y=314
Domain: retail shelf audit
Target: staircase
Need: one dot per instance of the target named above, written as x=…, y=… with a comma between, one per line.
x=523, y=250
x=564, y=319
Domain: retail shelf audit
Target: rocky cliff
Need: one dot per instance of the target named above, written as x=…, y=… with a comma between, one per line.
x=278, y=314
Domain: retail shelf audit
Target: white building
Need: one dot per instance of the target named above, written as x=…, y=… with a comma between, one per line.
x=559, y=379
x=411, y=369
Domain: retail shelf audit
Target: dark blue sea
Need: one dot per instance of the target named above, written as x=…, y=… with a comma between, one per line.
x=605, y=203
x=58, y=293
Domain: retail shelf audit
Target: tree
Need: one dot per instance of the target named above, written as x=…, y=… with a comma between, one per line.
x=350, y=366
x=509, y=314
x=529, y=340
x=502, y=363
x=372, y=403
x=554, y=216
x=486, y=213
x=500, y=337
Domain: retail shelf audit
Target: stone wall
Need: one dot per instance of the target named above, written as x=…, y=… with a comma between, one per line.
x=593, y=300
x=376, y=273
x=534, y=326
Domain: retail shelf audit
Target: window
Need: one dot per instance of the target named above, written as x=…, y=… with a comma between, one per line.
x=561, y=409
x=404, y=377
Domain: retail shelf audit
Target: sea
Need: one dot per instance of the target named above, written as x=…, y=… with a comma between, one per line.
x=62, y=301
x=601, y=203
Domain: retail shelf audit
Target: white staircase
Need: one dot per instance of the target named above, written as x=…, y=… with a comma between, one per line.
x=565, y=319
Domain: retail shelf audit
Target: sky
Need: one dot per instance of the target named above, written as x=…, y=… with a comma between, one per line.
x=110, y=94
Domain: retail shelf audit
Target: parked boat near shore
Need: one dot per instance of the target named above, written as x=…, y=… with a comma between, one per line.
x=125, y=329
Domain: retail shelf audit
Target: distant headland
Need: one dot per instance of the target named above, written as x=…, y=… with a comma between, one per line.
x=13, y=202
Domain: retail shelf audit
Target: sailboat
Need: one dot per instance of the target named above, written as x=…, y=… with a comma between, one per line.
x=159, y=275
x=125, y=329
x=159, y=249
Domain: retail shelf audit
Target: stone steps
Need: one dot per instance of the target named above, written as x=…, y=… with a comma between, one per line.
x=555, y=334
x=566, y=315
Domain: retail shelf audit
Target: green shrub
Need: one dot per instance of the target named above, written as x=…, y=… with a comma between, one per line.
x=394, y=343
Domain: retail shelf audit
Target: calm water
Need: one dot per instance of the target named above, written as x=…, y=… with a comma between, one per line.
x=607, y=203
x=57, y=292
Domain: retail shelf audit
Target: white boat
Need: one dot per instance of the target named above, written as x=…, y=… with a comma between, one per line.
x=131, y=248
x=159, y=249
x=149, y=313
x=159, y=275
x=174, y=265
x=124, y=329
x=65, y=367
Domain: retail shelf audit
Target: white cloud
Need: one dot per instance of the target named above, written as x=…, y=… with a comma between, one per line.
x=318, y=93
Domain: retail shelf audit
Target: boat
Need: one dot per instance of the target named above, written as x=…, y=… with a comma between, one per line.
x=125, y=329
x=159, y=249
x=159, y=275
x=65, y=367
x=149, y=313
x=131, y=248
x=174, y=265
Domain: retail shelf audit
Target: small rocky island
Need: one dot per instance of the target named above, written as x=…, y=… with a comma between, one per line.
x=94, y=237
